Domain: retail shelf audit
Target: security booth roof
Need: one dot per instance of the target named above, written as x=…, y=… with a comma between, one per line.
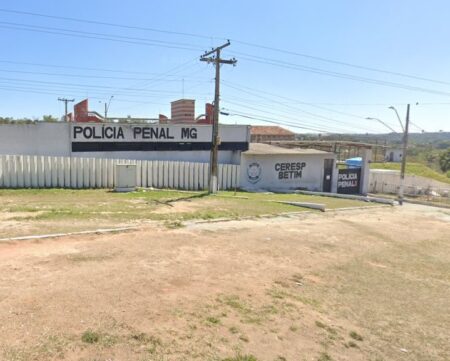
x=267, y=149
x=355, y=162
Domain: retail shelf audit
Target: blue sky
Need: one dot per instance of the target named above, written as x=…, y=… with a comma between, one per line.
x=38, y=63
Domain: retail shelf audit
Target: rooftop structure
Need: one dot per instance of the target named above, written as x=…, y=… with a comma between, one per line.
x=260, y=134
x=183, y=111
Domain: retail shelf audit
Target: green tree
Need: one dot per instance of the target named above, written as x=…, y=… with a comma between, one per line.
x=444, y=161
x=49, y=118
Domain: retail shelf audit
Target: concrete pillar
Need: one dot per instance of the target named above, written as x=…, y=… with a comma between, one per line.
x=334, y=178
x=365, y=170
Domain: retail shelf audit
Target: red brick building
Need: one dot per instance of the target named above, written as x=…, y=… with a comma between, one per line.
x=82, y=114
x=261, y=134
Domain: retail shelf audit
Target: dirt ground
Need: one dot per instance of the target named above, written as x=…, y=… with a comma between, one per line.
x=367, y=284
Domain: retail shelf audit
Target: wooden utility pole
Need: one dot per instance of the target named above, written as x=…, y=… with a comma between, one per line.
x=404, y=150
x=215, y=141
x=65, y=106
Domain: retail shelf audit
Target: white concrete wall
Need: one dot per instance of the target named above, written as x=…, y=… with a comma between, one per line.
x=35, y=139
x=311, y=178
x=182, y=156
x=388, y=181
x=54, y=139
x=365, y=171
x=66, y=172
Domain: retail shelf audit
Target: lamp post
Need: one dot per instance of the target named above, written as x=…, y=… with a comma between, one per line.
x=404, y=150
x=405, y=130
x=398, y=117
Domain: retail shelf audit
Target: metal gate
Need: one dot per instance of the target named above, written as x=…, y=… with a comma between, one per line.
x=327, y=174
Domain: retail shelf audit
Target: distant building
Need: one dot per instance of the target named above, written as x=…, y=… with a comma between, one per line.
x=183, y=111
x=261, y=134
x=81, y=114
x=394, y=155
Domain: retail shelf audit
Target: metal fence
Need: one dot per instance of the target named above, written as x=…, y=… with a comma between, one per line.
x=21, y=171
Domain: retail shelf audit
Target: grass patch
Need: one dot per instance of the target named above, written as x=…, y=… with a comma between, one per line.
x=244, y=338
x=329, y=329
x=352, y=344
x=241, y=358
x=356, y=336
x=150, y=342
x=320, y=324
x=68, y=210
x=174, y=224
x=213, y=320
x=248, y=314
x=90, y=336
x=281, y=294
x=81, y=257
x=324, y=357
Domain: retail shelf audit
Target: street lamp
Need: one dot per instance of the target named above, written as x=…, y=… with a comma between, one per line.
x=398, y=117
x=379, y=120
x=404, y=147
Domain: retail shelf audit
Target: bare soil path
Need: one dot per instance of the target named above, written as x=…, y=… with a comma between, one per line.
x=369, y=284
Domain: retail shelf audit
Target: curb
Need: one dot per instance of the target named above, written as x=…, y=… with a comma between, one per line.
x=285, y=214
x=57, y=235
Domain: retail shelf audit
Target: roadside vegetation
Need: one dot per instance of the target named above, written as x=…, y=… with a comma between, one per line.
x=418, y=169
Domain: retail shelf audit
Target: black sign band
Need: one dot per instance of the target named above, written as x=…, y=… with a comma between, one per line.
x=153, y=146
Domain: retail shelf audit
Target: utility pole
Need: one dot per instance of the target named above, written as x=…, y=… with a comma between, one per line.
x=215, y=141
x=107, y=107
x=405, y=146
x=66, y=119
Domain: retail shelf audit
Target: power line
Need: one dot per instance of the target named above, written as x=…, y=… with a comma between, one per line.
x=314, y=115
x=293, y=66
x=94, y=76
x=91, y=35
x=80, y=92
x=245, y=43
x=306, y=103
x=83, y=85
x=123, y=26
x=164, y=42
x=163, y=75
x=278, y=115
x=77, y=67
x=337, y=62
x=44, y=92
x=268, y=120
x=316, y=106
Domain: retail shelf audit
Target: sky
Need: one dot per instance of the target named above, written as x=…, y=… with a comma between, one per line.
x=310, y=66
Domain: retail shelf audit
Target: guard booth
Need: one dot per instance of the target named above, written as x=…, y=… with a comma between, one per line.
x=266, y=167
x=355, y=178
